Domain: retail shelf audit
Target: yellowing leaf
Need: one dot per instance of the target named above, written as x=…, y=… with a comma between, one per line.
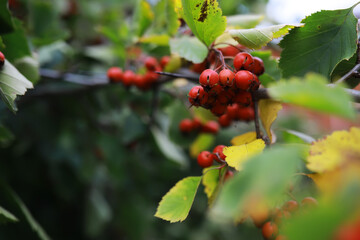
x=176, y=204
x=201, y=143
x=243, y=139
x=335, y=151
x=210, y=181
x=268, y=113
x=237, y=155
x=161, y=40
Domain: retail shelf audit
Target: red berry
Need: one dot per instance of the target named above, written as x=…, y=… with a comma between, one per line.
x=151, y=63
x=199, y=67
x=210, y=127
x=209, y=78
x=115, y=74
x=186, y=125
x=140, y=82
x=215, y=90
x=198, y=96
x=196, y=124
x=258, y=66
x=218, y=109
x=229, y=51
x=218, y=151
x=290, y=206
x=309, y=202
x=269, y=230
x=243, y=61
x=281, y=237
x=2, y=59
x=205, y=159
x=128, y=78
x=259, y=217
x=226, y=78
x=151, y=77
x=224, y=120
x=164, y=61
x=246, y=114
x=232, y=110
x=245, y=80
x=229, y=174
x=243, y=98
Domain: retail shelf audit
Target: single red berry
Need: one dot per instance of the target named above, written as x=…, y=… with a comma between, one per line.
x=230, y=51
x=269, y=230
x=210, y=127
x=151, y=77
x=198, y=96
x=115, y=74
x=281, y=237
x=128, y=78
x=290, y=206
x=218, y=109
x=205, y=159
x=209, y=78
x=224, y=97
x=246, y=114
x=215, y=90
x=243, y=61
x=151, y=63
x=186, y=125
x=2, y=59
x=164, y=61
x=140, y=82
x=258, y=66
x=232, y=110
x=199, y=67
x=226, y=78
x=243, y=98
x=244, y=80
x=309, y=202
x=196, y=124
x=224, y=120
x=229, y=174
x=218, y=151
x=259, y=217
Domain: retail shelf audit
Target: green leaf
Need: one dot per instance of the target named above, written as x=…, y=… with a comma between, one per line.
x=201, y=143
x=313, y=93
x=143, y=17
x=210, y=181
x=189, y=48
x=344, y=67
x=29, y=67
x=204, y=17
x=244, y=20
x=16, y=44
x=258, y=37
x=272, y=70
x=161, y=40
x=169, y=149
x=166, y=18
x=6, y=25
x=327, y=38
x=257, y=181
x=176, y=204
x=6, y=216
x=12, y=83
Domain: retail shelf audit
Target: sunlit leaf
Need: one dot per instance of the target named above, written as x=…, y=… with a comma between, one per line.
x=204, y=19
x=161, y=40
x=258, y=37
x=268, y=113
x=244, y=20
x=176, y=204
x=243, y=139
x=189, y=48
x=202, y=142
x=327, y=38
x=313, y=93
x=210, y=181
x=237, y=155
x=165, y=17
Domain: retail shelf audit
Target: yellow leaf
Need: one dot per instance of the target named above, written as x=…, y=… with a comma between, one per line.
x=268, y=113
x=237, y=155
x=243, y=139
x=334, y=151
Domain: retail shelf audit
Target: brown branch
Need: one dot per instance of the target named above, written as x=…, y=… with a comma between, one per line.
x=256, y=112
x=349, y=74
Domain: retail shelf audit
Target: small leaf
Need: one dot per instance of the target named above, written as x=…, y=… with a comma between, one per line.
x=201, y=143
x=334, y=151
x=258, y=37
x=237, y=155
x=166, y=18
x=204, y=17
x=327, y=38
x=143, y=17
x=313, y=93
x=244, y=20
x=189, y=48
x=6, y=216
x=12, y=83
x=268, y=113
x=174, y=63
x=210, y=181
x=176, y=204
x=161, y=40
x=243, y=139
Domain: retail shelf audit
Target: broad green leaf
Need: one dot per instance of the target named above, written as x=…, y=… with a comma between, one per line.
x=268, y=113
x=16, y=44
x=161, y=40
x=204, y=17
x=29, y=67
x=143, y=17
x=6, y=25
x=12, y=83
x=243, y=139
x=236, y=156
x=210, y=181
x=258, y=37
x=327, y=38
x=176, y=204
x=263, y=180
x=271, y=66
x=169, y=149
x=244, y=20
x=313, y=93
x=6, y=216
x=189, y=48
x=202, y=142
x=165, y=17
x=224, y=40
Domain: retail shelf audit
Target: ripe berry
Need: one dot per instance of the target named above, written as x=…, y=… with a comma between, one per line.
x=218, y=109
x=229, y=51
x=128, y=77
x=245, y=80
x=115, y=74
x=164, y=61
x=243, y=61
x=205, y=159
x=199, y=67
x=309, y=202
x=229, y=174
x=198, y=96
x=258, y=66
x=209, y=78
x=290, y=206
x=218, y=151
x=140, y=82
x=151, y=77
x=226, y=78
x=243, y=99
x=232, y=110
x=210, y=127
x=151, y=63
x=215, y=90
x=269, y=230
x=196, y=124
x=224, y=120
x=246, y=114
x=186, y=125
x=259, y=217
x=281, y=237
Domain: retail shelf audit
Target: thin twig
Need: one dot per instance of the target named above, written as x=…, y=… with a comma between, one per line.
x=256, y=120
x=349, y=74
x=177, y=75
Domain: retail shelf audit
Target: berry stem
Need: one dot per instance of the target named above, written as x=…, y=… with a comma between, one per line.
x=221, y=57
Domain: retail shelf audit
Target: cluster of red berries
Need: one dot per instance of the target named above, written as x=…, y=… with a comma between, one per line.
x=270, y=228
x=227, y=94
x=141, y=81
x=2, y=59
x=188, y=125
